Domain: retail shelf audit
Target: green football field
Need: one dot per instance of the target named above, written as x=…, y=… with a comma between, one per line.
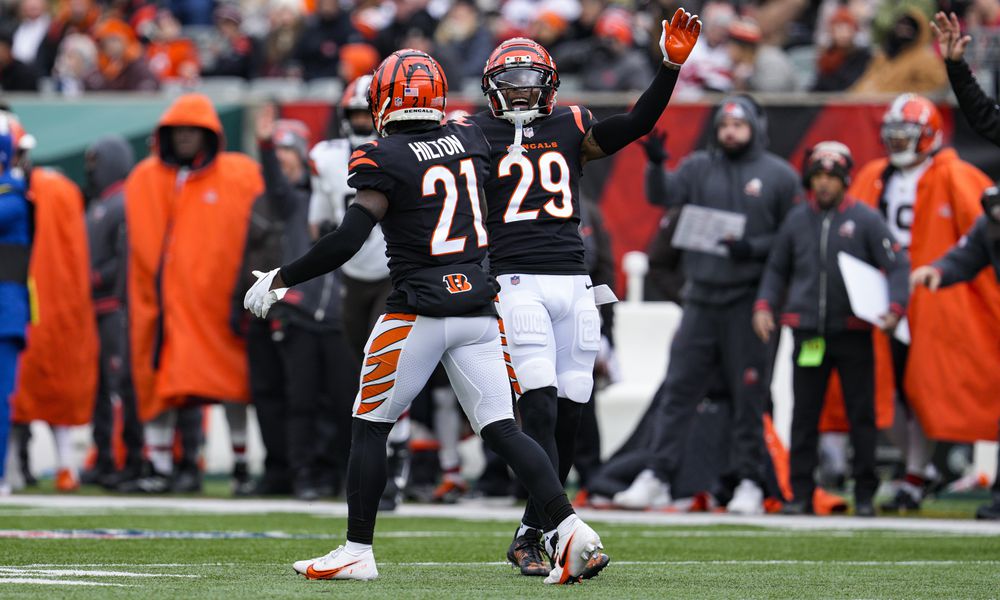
x=161, y=551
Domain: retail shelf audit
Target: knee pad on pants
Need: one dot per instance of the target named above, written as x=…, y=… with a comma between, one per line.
x=576, y=385
x=536, y=373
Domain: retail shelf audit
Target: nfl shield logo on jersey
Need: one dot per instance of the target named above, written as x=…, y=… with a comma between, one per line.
x=529, y=132
x=515, y=279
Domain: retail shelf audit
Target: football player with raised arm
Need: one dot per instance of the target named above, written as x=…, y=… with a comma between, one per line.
x=422, y=182
x=549, y=318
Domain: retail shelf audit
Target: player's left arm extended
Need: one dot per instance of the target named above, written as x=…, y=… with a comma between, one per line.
x=611, y=135
x=335, y=248
x=967, y=258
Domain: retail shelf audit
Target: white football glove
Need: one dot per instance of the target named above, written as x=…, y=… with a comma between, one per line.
x=260, y=296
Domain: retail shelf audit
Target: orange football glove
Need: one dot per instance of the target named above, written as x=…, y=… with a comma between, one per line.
x=679, y=37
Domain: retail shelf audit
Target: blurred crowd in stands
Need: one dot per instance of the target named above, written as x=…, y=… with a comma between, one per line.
x=72, y=46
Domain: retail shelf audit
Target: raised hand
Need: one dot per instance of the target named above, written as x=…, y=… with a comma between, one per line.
x=679, y=37
x=949, y=36
x=264, y=122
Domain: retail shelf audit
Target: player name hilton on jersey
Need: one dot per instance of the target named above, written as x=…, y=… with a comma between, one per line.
x=448, y=145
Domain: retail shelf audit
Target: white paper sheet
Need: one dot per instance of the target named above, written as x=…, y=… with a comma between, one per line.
x=868, y=292
x=700, y=229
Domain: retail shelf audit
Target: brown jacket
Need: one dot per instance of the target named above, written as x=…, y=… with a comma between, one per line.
x=917, y=69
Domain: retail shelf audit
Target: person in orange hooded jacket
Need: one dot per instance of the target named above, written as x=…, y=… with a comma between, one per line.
x=187, y=210
x=946, y=379
x=57, y=381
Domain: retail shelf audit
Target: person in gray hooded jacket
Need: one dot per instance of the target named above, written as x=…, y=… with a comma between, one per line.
x=804, y=277
x=107, y=163
x=736, y=174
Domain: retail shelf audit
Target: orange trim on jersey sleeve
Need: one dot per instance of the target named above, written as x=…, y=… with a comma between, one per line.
x=362, y=161
x=578, y=117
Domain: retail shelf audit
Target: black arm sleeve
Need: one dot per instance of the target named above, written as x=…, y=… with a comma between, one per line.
x=618, y=131
x=981, y=112
x=333, y=249
x=279, y=190
x=967, y=258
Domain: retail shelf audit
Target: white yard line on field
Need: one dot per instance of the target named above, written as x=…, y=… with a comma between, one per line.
x=58, y=582
x=687, y=563
x=85, y=573
x=487, y=511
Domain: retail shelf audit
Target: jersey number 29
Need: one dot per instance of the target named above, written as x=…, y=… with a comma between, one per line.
x=563, y=209
x=441, y=240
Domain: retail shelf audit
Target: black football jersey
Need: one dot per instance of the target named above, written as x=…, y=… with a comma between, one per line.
x=432, y=182
x=534, y=199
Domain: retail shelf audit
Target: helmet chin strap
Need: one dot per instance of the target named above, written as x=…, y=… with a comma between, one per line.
x=518, y=119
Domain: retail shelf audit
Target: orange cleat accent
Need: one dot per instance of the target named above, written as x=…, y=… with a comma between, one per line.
x=67, y=481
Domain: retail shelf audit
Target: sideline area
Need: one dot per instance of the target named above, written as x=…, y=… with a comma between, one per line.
x=478, y=511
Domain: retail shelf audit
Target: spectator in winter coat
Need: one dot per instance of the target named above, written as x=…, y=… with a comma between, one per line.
x=187, y=209
x=121, y=65
x=841, y=63
x=905, y=62
x=15, y=76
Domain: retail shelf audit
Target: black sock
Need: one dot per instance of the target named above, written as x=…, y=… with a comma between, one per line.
x=366, y=475
x=539, y=410
x=567, y=425
x=527, y=460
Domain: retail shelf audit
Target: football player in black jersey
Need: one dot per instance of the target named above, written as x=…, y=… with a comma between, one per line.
x=421, y=181
x=549, y=318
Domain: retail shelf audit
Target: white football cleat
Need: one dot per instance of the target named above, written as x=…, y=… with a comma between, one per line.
x=339, y=564
x=577, y=557
x=647, y=491
x=748, y=499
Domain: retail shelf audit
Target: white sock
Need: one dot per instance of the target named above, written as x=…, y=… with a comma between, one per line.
x=523, y=529
x=566, y=526
x=356, y=549
x=159, y=441
x=64, y=447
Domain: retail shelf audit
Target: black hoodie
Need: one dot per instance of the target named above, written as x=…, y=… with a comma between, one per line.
x=112, y=160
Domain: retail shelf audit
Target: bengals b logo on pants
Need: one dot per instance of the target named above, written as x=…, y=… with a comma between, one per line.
x=456, y=283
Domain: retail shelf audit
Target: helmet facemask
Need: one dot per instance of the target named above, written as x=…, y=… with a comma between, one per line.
x=520, y=94
x=900, y=139
x=356, y=125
